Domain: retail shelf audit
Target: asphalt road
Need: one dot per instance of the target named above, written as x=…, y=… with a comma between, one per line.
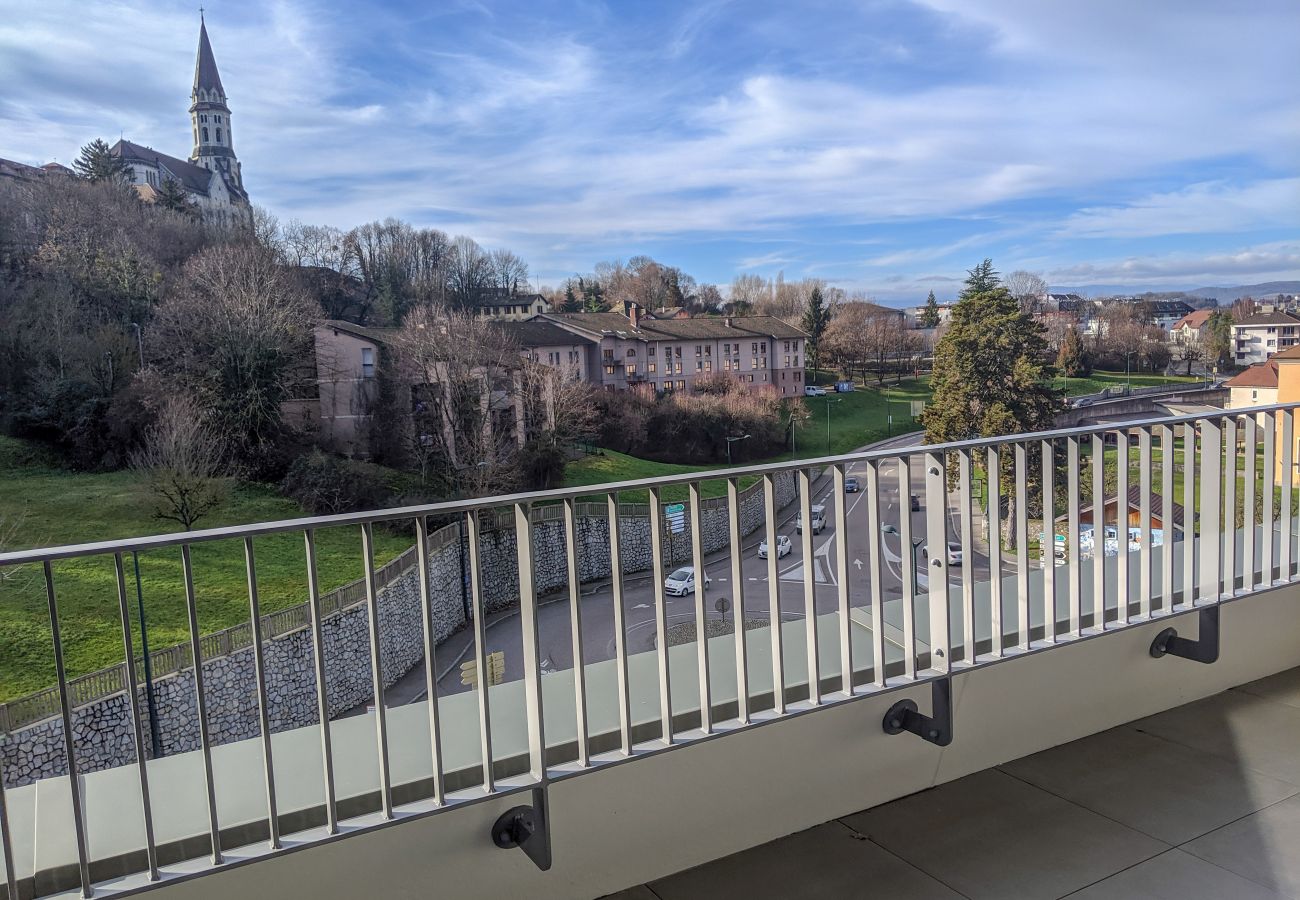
x=503, y=629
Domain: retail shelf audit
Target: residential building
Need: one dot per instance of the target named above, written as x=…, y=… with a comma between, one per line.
x=347, y=370
x=1190, y=327
x=508, y=304
x=1165, y=314
x=630, y=348
x=547, y=343
x=212, y=177
x=1258, y=337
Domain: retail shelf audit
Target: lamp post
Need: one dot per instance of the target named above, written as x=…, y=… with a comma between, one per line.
x=829, y=401
x=732, y=440
x=155, y=741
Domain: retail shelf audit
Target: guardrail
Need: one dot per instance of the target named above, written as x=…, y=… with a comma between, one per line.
x=936, y=618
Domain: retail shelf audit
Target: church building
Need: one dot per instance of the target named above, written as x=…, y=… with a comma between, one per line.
x=211, y=177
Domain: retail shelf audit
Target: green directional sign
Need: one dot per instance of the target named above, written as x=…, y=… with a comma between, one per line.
x=675, y=513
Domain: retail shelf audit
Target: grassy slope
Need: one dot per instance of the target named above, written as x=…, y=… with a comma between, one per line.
x=61, y=507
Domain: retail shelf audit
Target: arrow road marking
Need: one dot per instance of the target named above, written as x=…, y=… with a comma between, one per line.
x=858, y=563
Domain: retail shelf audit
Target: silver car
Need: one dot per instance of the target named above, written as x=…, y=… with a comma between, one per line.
x=682, y=582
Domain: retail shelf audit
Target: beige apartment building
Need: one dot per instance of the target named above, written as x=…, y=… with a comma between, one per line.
x=624, y=350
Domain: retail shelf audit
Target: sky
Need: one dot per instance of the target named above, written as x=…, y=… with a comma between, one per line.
x=885, y=147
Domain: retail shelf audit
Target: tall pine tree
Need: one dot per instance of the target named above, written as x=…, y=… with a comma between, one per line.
x=1072, y=359
x=815, y=319
x=97, y=163
x=929, y=317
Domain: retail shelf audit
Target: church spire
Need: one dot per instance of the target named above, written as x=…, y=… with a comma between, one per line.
x=214, y=143
x=206, y=77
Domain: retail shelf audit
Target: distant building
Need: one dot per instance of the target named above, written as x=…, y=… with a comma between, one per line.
x=508, y=304
x=629, y=348
x=1258, y=337
x=1256, y=386
x=1191, y=327
x=211, y=177
x=1167, y=313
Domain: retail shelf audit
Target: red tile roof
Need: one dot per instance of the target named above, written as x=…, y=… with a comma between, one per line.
x=1195, y=319
x=1263, y=375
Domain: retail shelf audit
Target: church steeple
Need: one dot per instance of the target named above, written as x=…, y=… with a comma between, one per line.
x=214, y=146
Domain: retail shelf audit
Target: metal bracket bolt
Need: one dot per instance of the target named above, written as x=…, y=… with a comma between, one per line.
x=936, y=729
x=527, y=828
x=1205, y=649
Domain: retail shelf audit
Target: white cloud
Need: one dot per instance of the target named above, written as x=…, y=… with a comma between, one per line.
x=1206, y=207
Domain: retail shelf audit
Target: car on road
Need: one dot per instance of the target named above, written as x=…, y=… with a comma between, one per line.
x=818, y=520
x=783, y=547
x=682, y=582
x=813, y=391
x=916, y=503
x=851, y=486
x=954, y=553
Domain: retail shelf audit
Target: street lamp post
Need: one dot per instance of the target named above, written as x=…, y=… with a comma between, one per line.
x=155, y=741
x=829, y=401
x=732, y=440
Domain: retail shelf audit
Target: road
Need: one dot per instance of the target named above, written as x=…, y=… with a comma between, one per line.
x=597, y=612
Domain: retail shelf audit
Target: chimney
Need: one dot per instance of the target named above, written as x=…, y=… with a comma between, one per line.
x=633, y=312
x=727, y=321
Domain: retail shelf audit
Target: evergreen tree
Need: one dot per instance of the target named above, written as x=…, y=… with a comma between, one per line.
x=815, y=319
x=1216, y=340
x=989, y=377
x=1073, y=359
x=930, y=315
x=96, y=163
x=172, y=196
x=570, y=300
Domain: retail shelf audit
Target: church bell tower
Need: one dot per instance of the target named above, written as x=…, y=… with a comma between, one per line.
x=214, y=146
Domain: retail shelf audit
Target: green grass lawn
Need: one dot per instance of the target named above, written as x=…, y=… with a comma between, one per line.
x=55, y=506
x=1100, y=381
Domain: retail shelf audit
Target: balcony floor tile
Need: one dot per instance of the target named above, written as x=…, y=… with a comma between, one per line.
x=1264, y=847
x=1284, y=687
x=1166, y=790
x=1176, y=876
x=1001, y=837
x=1245, y=729
x=828, y=862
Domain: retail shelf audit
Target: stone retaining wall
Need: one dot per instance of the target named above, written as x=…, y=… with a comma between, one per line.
x=102, y=730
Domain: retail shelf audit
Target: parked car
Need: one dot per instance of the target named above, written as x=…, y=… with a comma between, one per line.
x=954, y=553
x=813, y=390
x=818, y=520
x=682, y=582
x=851, y=485
x=916, y=503
x=843, y=387
x=783, y=547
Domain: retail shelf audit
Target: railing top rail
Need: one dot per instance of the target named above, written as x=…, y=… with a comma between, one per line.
x=454, y=507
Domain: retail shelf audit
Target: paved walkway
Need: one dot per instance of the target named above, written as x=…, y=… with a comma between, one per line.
x=1201, y=802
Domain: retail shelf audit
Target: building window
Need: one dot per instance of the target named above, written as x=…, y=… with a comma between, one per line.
x=708, y=365
x=631, y=352
x=755, y=347
x=708, y=350
x=631, y=370
x=678, y=354
x=679, y=368
x=1254, y=395
x=218, y=135
x=751, y=379
x=681, y=385
x=699, y=365
x=610, y=370
x=367, y=362
x=609, y=353
x=798, y=376
x=787, y=358
x=650, y=351
x=205, y=134
x=699, y=351
x=652, y=368
x=796, y=360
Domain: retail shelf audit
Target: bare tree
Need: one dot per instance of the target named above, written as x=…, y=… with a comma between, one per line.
x=469, y=271
x=182, y=460
x=508, y=271
x=1028, y=288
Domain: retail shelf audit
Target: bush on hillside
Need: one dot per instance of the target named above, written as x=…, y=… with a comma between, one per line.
x=326, y=485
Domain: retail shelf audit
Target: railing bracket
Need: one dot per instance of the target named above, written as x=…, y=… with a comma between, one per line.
x=1205, y=649
x=937, y=728
x=527, y=828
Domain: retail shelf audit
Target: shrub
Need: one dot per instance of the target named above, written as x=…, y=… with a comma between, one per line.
x=326, y=485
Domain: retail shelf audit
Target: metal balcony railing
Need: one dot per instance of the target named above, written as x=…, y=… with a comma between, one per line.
x=883, y=579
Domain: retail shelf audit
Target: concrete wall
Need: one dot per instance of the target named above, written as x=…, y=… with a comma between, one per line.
x=102, y=729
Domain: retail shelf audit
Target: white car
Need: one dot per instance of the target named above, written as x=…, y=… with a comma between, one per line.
x=954, y=553
x=783, y=547
x=682, y=582
x=818, y=519
x=813, y=391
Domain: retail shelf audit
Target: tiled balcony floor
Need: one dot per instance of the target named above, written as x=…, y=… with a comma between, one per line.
x=1201, y=802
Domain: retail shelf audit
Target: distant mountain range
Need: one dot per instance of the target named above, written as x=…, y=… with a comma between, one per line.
x=1222, y=294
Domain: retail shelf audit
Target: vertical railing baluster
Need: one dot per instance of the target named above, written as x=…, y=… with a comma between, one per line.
x=1021, y=525
x=700, y=600
x=263, y=702
x=967, y=525
x=1099, y=532
x=1191, y=540
x=1121, y=525
x=377, y=670
x=322, y=698
x=430, y=657
x=737, y=600
x=907, y=566
x=1269, y=479
x=1144, y=514
x=1167, y=503
x=993, y=479
x=1211, y=517
x=774, y=596
x=1248, y=506
x=842, y=580
x=137, y=731
x=69, y=742
x=473, y=526
x=809, y=588
x=658, y=573
x=1047, y=541
x=1284, y=506
x=875, y=570
x=620, y=626
x=531, y=642
x=575, y=629
x=1229, y=574
x=7, y=844
x=201, y=703
x=936, y=537
x=1073, y=548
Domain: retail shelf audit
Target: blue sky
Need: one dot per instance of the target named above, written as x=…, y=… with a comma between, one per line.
x=883, y=146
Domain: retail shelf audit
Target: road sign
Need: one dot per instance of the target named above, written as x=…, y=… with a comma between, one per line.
x=722, y=605
x=496, y=669
x=675, y=513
